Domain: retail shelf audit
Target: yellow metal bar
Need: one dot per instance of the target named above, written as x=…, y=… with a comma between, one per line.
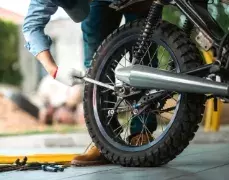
x=216, y=115
x=212, y=117
x=41, y=158
x=208, y=115
x=208, y=56
x=209, y=104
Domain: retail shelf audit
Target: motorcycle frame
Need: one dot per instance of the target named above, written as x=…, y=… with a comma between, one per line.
x=196, y=11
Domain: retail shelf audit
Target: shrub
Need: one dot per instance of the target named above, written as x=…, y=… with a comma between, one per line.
x=9, y=53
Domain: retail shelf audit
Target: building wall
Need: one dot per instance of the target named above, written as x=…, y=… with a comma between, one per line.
x=28, y=67
x=11, y=16
x=67, y=50
x=68, y=42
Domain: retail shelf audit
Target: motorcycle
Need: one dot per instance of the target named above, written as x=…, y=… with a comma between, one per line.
x=147, y=86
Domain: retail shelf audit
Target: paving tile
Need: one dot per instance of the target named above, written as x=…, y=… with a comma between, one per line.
x=208, y=162
x=39, y=175
x=220, y=173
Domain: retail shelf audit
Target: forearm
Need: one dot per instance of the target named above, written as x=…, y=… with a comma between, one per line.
x=47, y=61
x=39, y=14
x=38, y=43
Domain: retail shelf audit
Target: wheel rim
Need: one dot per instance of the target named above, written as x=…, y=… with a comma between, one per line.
x=97, y=97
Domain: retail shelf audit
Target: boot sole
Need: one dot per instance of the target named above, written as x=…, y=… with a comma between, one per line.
x=88, y=163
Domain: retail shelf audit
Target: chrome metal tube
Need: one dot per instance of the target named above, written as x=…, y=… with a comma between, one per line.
x=151, y=78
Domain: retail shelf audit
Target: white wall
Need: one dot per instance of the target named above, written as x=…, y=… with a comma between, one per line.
x=69, y=42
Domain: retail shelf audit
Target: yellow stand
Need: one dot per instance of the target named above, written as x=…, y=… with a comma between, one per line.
x=212, y=117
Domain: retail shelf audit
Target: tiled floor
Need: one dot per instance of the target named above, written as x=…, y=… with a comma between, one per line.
x=198, y=162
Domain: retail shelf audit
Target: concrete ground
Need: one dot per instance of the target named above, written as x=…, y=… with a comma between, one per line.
x=206, y=158
x=198, y=161
x=82, y=139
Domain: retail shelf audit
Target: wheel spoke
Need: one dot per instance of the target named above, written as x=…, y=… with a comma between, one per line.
x=167, y=64
x=160, y=122
x=110, y=102
x=168, y=110
x=115, y=109
x=104, y=109
x=173, y=98
x=145, y=54
x=110, y=80
x=113, y=70
x=162, y=54
x=125, y=56
x=104, y=91
x=119, y=63
x=122, y=126
x=144, y=124
x=140, y=135
x=153, y=56
x=125, y=134
x=148, y=139
x=170, y=96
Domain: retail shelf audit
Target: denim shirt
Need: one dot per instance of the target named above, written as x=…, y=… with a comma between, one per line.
x=39, y=14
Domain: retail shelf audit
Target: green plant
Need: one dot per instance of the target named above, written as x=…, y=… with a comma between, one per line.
x=172, y=15
x=219, y=11
x=9, y=53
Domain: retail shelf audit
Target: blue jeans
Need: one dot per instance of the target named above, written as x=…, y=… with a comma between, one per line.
x=101, y=22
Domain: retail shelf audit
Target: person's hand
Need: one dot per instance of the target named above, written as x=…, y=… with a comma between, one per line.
x=69, y=76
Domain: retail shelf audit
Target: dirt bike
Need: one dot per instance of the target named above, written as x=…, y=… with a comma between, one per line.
x=151, y=70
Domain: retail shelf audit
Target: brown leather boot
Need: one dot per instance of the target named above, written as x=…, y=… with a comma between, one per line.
x=92, y=156
x=141, y=139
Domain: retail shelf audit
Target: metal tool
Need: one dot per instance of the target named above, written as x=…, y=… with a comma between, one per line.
x=24, y=166
x=98, y=83
x=80, y=76
x=58, y=167
x=19, y=163
x=49, y=168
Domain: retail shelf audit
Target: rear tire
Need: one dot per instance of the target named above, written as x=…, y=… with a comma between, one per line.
x=191, y=106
